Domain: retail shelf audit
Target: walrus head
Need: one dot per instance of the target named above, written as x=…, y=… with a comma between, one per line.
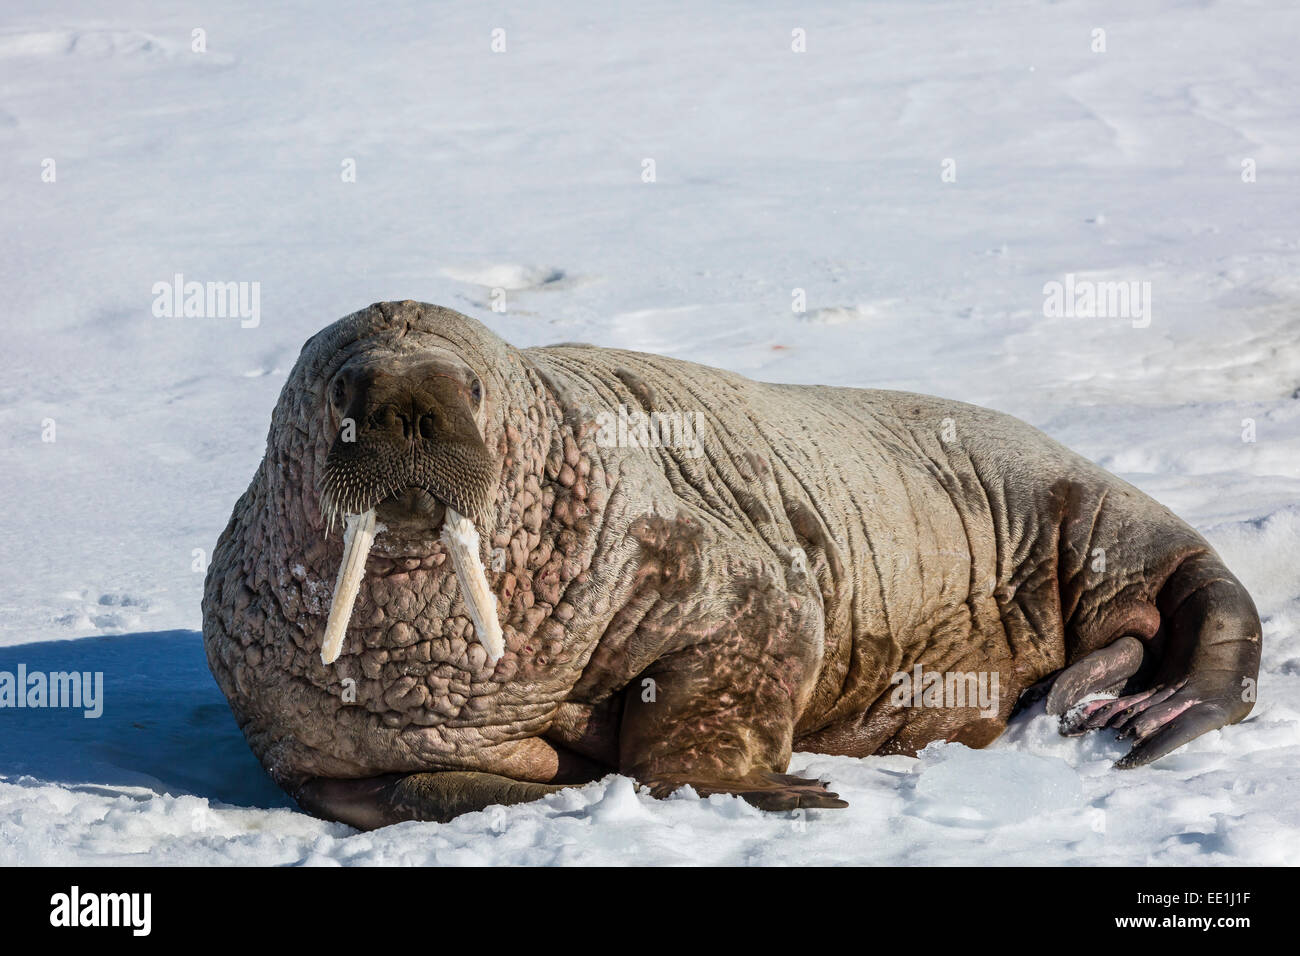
x=408, y=408
x=409, y=453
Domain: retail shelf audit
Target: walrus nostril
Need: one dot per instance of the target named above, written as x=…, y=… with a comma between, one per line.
x=390, y=420
x=426, y=426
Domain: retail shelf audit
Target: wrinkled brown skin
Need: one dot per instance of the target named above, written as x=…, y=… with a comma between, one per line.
x=933, y=533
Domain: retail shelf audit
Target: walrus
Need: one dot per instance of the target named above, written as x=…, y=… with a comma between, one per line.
x=466, y=574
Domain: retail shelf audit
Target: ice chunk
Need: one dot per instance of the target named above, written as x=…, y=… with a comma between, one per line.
x=967, y=787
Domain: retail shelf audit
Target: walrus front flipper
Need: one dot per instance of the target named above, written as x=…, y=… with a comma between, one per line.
x=374, y=802
x=1206, y=677
x=718, y=728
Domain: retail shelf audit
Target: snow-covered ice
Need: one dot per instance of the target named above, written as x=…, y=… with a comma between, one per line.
x=522, y=171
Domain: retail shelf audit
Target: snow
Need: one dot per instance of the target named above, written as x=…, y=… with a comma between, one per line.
x=521, y=171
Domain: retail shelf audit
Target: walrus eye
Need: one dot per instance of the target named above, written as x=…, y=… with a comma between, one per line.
x=338, y=393
x=476, y=391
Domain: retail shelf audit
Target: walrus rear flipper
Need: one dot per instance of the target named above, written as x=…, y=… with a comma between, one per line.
x=1212, y=658
x=1107, y=668
x=1206, y=676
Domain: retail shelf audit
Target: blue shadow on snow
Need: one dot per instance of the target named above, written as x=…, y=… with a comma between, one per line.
x=165, y=725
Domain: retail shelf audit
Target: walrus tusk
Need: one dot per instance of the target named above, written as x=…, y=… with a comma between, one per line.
x=461, y=540
x=358, y=536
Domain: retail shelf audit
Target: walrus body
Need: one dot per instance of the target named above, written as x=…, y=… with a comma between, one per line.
x=688, y=614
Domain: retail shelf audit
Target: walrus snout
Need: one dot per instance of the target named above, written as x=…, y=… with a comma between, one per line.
x=407, y=437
